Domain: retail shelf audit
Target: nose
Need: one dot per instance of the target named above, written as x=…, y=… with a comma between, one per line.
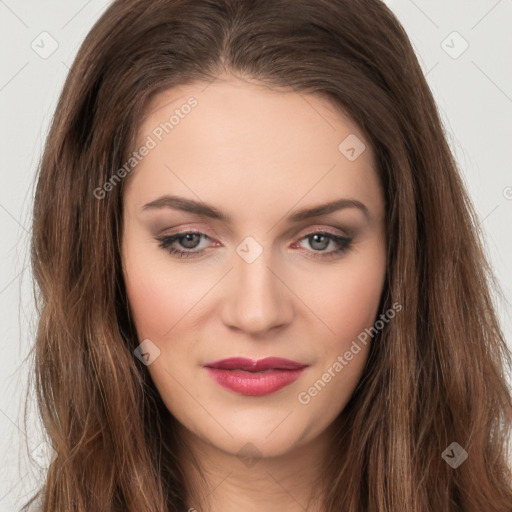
x=256, y=298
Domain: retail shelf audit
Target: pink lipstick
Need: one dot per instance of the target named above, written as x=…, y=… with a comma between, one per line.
x=254, y=378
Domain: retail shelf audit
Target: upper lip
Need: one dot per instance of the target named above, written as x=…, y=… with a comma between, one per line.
x=242, y=363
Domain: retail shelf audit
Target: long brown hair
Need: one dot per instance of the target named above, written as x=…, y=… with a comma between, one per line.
x=435, y=375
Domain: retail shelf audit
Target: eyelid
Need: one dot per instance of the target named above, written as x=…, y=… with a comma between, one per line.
x=303, y=232
x=324, y=229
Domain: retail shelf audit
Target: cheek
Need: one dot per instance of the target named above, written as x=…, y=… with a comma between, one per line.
x=347, y=299
x=348, y=305
x=358, y=301
x=158, y=297
x=152, y=307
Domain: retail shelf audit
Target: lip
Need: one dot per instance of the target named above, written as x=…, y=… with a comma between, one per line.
x=254, y=378
x=251, y=365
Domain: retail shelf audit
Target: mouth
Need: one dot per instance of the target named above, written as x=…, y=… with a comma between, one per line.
x=254, y=378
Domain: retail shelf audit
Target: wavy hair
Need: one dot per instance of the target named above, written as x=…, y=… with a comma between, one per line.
x=437, y=373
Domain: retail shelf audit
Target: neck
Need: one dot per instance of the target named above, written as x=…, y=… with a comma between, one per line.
x=230, y=482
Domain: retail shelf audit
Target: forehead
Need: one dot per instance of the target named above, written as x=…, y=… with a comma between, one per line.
x=249, y=108
x=239, y=140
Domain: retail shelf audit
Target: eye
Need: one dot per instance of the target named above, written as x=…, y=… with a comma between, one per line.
x=320, y=240
x=189, y=241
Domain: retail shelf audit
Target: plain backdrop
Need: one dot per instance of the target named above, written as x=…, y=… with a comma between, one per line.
x=464, y=47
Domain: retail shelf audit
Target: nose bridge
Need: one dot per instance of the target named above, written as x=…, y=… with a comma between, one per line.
x=256, y=300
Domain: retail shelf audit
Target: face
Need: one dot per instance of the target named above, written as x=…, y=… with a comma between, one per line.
x=238, y=264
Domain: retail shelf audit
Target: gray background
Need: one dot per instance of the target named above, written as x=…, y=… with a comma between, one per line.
x=473, y=89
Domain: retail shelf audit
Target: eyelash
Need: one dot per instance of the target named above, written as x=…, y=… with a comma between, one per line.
x=344, y=244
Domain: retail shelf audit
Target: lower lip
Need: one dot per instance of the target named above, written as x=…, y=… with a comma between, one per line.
x=254, y=383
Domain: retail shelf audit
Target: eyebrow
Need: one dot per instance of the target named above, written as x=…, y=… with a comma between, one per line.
x=200, y=208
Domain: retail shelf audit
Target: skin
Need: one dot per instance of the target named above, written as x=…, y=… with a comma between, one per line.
x=258, y=155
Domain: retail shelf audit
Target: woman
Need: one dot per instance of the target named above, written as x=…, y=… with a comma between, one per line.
x=261, y=279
